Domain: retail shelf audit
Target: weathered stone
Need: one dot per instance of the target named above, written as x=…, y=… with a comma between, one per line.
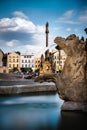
x=71, y=83
x=70, y=106
x=73, y=75
x=26, y=89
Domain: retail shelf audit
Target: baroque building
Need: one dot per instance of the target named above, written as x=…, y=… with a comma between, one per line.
x=37, y=63
x=27, y=61
x=59, y=58
x=13, y=61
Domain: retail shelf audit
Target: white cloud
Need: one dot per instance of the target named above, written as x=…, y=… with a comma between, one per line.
x=40, y=29
x=68, y=29
x=6, y=23
x=13, y=28
x=83, y=17
x=76, y=30
x=40, y=38
x=30, y=48
x=12, y=43
x=67, y=18
x=19, y=24
x=68, y=14
x=19, y=14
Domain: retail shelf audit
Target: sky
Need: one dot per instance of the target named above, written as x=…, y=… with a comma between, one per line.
x=22, y=23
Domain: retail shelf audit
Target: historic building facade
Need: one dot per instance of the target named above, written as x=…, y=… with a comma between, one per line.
x=27, y=61
x=37, y=63
x=13, y=61
x=59, y=58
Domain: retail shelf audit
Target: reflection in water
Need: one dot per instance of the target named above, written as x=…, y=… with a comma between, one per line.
x=37, y=113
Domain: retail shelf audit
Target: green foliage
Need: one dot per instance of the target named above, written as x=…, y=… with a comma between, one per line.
x=60, y=71
x=27, y=69
x=15, y=69
x=18, y=52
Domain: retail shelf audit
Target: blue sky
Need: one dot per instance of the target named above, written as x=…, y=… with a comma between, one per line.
x=22, y=22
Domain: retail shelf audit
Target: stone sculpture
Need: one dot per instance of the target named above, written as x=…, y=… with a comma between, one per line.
x=71, y=83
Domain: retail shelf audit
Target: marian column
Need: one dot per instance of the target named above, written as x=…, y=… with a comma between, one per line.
x=47, y=31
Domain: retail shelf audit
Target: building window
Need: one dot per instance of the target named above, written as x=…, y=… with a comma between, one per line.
x=26, y=65
x=38, y=65
x=28, y=61
x=13, y=65
x=17, y=60
x=22, y=66
x=17, y=65
x=9, y=60
x=9, y=65
x=25, y=61
x=29, y=56
x=22, y=61
x=60, y=57
x=13, y=60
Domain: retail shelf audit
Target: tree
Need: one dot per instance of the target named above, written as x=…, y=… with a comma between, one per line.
x=18, y=52
x=15, y=69
x=85, y=30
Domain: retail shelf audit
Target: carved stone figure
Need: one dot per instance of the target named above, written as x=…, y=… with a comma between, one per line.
x=71, y=83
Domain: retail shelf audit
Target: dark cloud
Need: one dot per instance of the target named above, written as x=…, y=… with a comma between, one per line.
x=8, y=36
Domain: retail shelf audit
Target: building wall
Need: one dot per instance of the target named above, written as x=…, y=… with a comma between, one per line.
x=27, y=61
x=4, y=69
x=13, y=60
x=1, y=57
x=37, y=63
x=59, y=64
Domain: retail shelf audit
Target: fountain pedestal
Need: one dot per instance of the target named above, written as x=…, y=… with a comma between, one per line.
x=71, y=83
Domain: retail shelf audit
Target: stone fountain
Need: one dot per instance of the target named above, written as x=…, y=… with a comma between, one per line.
x=71, y=84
